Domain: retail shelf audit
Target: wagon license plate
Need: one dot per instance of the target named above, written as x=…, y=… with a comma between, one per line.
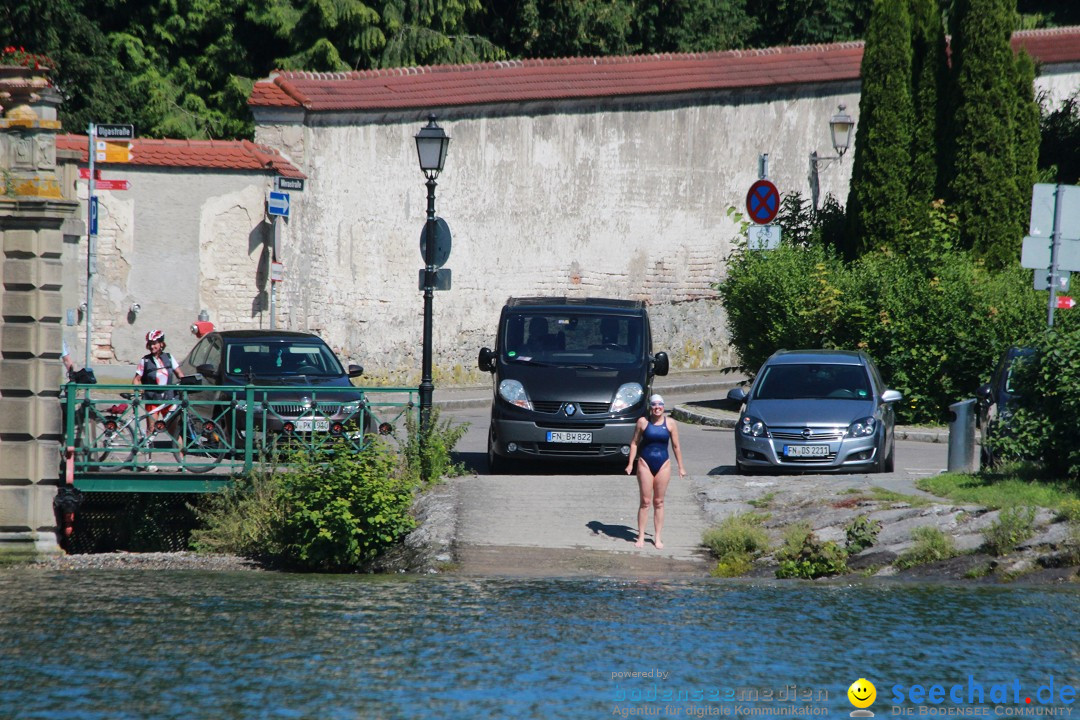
x=806, y=450
x=569, y=437
x=309, y=425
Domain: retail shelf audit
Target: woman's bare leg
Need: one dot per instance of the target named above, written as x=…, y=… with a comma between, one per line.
x=659, y=490
x=645, y=492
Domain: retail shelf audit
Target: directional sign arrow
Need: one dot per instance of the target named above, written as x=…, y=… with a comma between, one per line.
x=1064, y=302
x=278, y=204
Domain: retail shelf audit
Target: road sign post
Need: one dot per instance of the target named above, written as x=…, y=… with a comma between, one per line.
x=1055, y=216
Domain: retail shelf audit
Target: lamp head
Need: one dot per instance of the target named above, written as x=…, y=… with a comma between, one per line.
x=840, y=126
x=431, y=145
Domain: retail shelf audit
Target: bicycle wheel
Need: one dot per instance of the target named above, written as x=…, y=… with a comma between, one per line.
x=110, y=448
x=204, y=445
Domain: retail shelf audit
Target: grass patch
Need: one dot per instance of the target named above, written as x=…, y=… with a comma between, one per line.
x=931, y=545
x=998, y=490
x=1013, y=526
x=804, y=556
x=736, y=541
x=882, y=495
x=979, y=572
x=763, y=502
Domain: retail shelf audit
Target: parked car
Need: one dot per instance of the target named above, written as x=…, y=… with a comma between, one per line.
x=569, y=379
x=816, y=410
x=997, y=400
x=300, y=368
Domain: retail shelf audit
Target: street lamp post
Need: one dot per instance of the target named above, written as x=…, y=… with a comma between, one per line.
x=840, y=126
x=431, y=145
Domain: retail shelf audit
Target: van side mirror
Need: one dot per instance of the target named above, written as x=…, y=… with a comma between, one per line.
x=660, y=363
x=486, y=360
x=985, y=394
x=356, y=370
x=207, y=370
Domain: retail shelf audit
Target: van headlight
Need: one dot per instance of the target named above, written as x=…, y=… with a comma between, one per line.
x=864, y=427
x=628, y=395
x=513, y=392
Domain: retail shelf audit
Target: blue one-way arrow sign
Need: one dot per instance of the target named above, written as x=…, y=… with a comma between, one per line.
x=278, y=204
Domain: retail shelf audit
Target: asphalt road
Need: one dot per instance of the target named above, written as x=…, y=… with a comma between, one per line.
x=578, y=518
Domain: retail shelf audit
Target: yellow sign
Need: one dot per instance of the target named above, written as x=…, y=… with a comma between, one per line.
x=112, y=151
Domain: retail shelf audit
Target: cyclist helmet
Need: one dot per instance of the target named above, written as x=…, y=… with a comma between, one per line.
x=155, y=336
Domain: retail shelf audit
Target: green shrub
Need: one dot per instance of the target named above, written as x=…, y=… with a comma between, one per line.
x=737, y=534
x=327, y=512
x=1013, y=526
x=1043, y=427
x=809, y=557
x=931, y=545
x=935, y=320
x=1069, y=511
x=861, y=533
x=428, y=454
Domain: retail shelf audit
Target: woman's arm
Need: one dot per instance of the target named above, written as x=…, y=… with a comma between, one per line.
x=674, y=427
x=638, y=427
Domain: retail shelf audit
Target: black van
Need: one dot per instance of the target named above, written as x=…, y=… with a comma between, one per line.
x=571, y=377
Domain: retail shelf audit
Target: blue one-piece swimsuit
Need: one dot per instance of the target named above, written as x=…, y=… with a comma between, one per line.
x=653, y=448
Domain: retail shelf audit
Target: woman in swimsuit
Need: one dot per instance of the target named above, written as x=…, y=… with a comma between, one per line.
x=650, y=449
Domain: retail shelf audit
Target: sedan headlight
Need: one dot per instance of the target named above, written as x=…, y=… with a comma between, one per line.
x=242, y=405
x=627, y=396
x=863, y=427
x=752, y=427
x=351, y=408
x=513, y=392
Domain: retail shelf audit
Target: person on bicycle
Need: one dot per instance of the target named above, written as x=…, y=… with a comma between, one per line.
x=157, y=367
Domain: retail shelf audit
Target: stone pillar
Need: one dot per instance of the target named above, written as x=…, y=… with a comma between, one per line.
x=32, y=211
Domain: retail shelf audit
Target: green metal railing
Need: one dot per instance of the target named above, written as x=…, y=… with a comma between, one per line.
x=201, y=437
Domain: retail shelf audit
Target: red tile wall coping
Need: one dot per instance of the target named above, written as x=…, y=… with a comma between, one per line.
x=209, y=154
x=575, y=78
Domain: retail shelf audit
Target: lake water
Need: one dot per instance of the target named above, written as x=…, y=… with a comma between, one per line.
x=192, y=645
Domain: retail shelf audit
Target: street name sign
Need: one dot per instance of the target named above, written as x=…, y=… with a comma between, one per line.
x=1035, y=254
x=287, y=184
x=763, y=202
x=763, y=237
x=278, y=204
x=115, y=132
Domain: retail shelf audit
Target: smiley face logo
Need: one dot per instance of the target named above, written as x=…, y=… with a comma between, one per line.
x=862, y=693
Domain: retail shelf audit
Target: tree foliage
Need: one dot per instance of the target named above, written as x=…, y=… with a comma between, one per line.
x=984, y=187
x=879, y=200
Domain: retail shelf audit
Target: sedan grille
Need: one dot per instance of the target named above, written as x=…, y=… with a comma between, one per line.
x=808, y=434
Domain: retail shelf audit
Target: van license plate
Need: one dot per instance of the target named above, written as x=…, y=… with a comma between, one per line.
x=306, y=425
x=806, y=450
x=569, y=437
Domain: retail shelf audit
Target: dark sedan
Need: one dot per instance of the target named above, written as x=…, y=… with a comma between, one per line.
x=816, y=410
x=298, y=376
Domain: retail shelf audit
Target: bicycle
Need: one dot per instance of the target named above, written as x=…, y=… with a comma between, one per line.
x=117, y=436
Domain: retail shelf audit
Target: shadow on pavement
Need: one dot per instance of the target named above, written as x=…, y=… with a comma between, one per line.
x=618, y=532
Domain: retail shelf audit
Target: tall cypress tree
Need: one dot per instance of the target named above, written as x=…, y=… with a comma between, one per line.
x=929, y=67
x=984, y=186
x=879, y=203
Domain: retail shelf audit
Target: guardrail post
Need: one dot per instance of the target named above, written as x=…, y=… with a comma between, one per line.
x=962, y=437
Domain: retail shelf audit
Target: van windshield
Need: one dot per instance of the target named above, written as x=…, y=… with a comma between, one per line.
x=572, y=339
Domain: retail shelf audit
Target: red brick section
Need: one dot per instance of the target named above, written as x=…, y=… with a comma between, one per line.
x=209, y=154
x=570, y=78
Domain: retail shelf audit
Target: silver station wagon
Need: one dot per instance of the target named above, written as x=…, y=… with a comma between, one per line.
x=816, y=410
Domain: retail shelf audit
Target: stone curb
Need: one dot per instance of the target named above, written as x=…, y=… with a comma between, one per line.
x=727, y=419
